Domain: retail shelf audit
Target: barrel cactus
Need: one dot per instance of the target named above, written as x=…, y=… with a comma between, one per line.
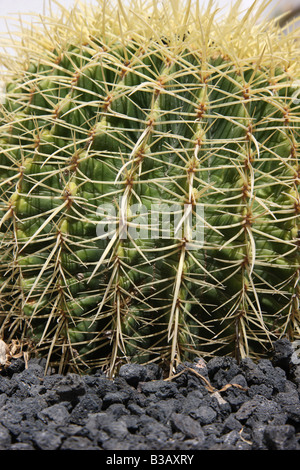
x=149, y=185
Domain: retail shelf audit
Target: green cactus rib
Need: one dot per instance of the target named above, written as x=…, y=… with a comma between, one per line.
x=193, y=116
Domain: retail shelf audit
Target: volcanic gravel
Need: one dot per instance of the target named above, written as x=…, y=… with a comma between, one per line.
x=215, y=405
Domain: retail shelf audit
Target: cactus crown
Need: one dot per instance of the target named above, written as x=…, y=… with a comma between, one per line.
x=153, y=108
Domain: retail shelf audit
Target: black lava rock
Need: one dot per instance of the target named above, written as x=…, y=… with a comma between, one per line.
x=282, y=354
x=214, y=405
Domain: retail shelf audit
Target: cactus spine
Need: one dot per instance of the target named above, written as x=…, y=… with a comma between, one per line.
x=150, y=110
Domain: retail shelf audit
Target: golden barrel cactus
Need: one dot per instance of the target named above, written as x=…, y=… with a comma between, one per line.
x=149, y=185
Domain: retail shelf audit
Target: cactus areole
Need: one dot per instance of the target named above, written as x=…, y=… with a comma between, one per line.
x=149, y=184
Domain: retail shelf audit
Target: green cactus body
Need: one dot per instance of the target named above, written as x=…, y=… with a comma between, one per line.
x=189, y=135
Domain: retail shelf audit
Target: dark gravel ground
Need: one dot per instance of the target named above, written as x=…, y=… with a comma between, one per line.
x=218, y=405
